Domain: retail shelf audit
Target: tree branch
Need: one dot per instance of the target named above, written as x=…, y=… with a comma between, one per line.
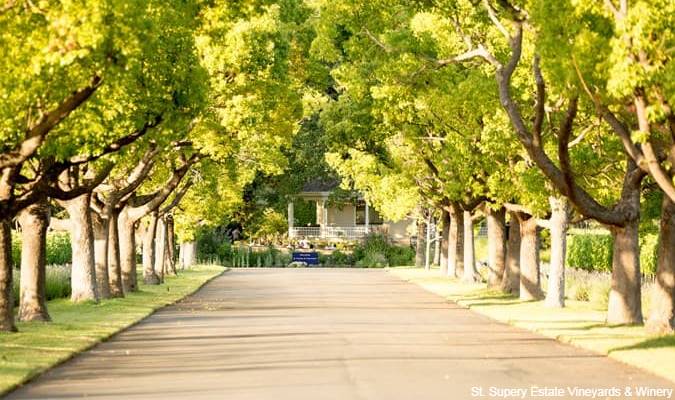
x=493, y=17
x=88, y=185
x=657, y=172
x=36, y=134
x=564, y=148
x=138, y=208
x=539, y=107
x=119, y=143
x=177, y=198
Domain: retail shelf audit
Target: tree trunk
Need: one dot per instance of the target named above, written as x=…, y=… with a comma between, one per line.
x=188, y=256
x=530, y=283
x=496, y=225
x=456, y=258
x=662, y=316
x=127, y=240
x=511, y=279
x=181, y=255
x=100, y=227
x=470, y=272
x=555, y=295
x=114, y=265
x=33, y=298
x=6, y=297
x=150, y=277
x=420, y=247
x=445, y=233
x=625, y=304
x=83, y=273
x=170, y=261
x=437, y=246
x=160, y=248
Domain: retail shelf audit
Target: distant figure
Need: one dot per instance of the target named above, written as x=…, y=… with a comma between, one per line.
x=235, y=234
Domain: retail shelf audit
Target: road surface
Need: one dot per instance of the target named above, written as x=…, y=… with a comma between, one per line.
x=326, y=334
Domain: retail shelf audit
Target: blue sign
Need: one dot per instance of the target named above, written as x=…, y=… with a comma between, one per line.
x=311, y=258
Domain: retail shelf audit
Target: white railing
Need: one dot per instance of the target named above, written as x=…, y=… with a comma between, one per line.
x=304, y=231
x=329, y=232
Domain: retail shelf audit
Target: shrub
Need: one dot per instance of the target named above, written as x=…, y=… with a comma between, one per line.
x=400, y=256
x=338, y=258
x=376, y=251
x=269, y=226
x=246, y=256
x=213, y=244
x=591, y=252
x=16, y=250
x=57, y=283
x=599, y=293
x=649, y=244
x=373, y=260
x=578, y=289
x=372, y=244
x=59, y=251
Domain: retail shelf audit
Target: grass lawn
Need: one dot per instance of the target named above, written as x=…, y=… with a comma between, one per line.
x=77, y=327
x=579, y=323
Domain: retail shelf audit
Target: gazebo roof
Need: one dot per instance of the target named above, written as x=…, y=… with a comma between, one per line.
x=320, y=185
x=319, y=189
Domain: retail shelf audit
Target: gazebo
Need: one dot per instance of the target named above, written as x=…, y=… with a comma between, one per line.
x=344, y=220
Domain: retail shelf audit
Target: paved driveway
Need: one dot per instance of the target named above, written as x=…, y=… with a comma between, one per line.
x=324, y=334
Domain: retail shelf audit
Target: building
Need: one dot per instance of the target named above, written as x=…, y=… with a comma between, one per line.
x=343, y=220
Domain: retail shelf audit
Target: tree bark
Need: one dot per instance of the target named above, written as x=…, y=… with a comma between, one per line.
x=6, y=298
x=456, y=258
x=83, y=273
x=188, y=254
x=437, y=247
x=662, y=316
x=150, y=277
x=560, y=212
x=34, y=221
x=170, y=261
x=625, y=304
x=160, y=248
x=445, y=233
x=100, y=227
x=496, y=225
x=114, y=264
x=420, y=246
x=511, y=279
x=470, y=272
x=530, y=283
x=127, y=242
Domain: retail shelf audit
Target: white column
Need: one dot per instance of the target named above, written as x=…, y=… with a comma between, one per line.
x=290, y=219
x=367, y=218
x=324, y=218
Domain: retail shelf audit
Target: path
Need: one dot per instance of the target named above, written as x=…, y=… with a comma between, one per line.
x=322, y=334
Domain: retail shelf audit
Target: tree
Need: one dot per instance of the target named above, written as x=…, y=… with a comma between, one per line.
x=34, y=221
x=625, y=72
x=623, y=218
x=43, y=97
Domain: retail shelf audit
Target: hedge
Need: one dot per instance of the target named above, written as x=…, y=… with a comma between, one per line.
x=593, y=252
x=59, y=251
